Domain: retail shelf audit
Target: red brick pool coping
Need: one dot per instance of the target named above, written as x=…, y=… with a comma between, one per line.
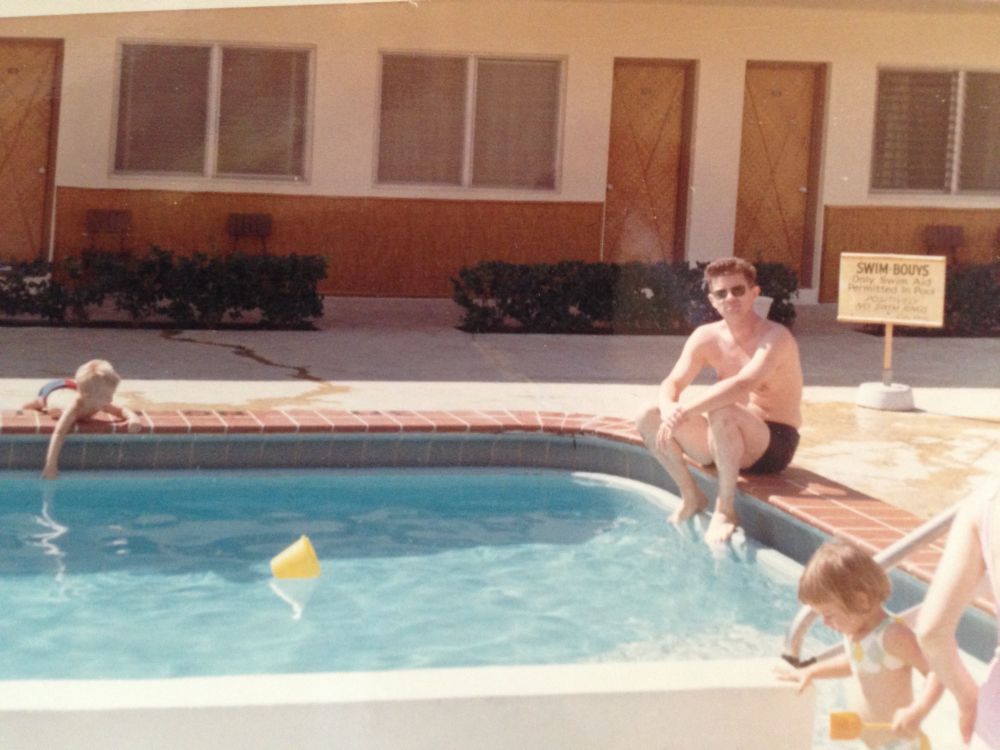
x=815, y=500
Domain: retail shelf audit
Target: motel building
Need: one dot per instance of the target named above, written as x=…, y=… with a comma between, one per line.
x=405, y=140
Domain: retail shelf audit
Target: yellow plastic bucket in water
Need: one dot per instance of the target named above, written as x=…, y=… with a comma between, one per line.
x=298, y=560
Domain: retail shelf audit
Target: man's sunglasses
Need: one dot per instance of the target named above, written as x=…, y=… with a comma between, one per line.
x=737, y=291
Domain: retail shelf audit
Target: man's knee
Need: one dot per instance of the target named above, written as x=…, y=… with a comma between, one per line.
x=648, y=423
x=723, y=420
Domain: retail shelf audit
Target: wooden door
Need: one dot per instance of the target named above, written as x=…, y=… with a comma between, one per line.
x=646, y=199
x=29, y=81
x=779, y=165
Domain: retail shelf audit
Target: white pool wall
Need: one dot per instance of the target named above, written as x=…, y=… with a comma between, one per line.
x=696, y=705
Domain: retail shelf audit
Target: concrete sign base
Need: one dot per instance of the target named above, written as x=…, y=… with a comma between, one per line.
x=892, y=397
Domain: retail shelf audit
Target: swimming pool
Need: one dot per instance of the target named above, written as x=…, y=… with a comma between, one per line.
x=602, y=705
x=156, y=574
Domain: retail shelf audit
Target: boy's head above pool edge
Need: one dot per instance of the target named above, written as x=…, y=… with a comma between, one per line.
x=96, y=380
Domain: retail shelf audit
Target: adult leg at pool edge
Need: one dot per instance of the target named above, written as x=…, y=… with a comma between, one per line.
x=730, y=437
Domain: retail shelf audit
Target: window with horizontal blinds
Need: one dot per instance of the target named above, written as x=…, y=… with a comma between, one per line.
x=422, y=119
x=517, y=110
x=262, y=111
x=162, y=108
x=167, y=94
x=914, y=130
x=980, y=163
x=469, y=121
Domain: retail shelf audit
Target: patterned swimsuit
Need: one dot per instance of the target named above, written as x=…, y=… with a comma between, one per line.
x=869, y=655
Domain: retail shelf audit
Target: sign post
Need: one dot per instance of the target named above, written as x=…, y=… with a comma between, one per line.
x=891, y=290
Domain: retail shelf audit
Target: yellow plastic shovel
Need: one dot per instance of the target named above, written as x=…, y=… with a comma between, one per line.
x=847, y=725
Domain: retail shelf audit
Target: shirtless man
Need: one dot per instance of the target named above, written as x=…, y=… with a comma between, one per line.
x=748, y=420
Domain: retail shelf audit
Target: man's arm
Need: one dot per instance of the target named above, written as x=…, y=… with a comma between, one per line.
x=686, y=368
x=773, y=348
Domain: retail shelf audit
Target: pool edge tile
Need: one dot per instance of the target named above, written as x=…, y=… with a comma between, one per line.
x=823, y=504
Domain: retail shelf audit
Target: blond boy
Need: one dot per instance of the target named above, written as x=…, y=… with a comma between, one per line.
x=90, y=391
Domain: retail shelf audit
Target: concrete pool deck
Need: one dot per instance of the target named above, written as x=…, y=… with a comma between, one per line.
x=374, y=364
x=396, y=354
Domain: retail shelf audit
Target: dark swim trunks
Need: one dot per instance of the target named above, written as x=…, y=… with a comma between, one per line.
x=779, y=452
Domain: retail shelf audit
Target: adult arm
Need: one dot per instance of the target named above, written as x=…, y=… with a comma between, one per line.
x=955, y=580
x=691, y=361
x=775, y=346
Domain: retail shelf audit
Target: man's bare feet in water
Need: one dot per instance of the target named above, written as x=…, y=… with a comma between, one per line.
x=690, y=506
x=721, y=527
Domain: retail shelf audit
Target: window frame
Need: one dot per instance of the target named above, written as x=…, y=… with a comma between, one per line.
x=210, y=156
x=466, y=182
x=960, y=133
x=955, y=144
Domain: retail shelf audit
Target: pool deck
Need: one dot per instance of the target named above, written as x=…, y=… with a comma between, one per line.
x=401, y=365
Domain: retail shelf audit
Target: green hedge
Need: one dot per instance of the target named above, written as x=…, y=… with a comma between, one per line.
x=190, y=291
x=579, y=297
x=972, y=300
x=971, y=304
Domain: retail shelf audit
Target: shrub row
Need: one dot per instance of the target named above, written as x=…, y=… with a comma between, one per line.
x=579, y=297
x=971, y=301
x=971, y=304
x=190, y=291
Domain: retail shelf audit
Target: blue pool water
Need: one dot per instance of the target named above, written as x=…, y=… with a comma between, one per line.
x=148, y=574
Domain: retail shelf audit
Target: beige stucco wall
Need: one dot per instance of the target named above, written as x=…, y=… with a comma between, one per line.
x=589, y=35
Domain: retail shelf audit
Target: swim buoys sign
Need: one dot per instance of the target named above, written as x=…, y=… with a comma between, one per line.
x=297, y=560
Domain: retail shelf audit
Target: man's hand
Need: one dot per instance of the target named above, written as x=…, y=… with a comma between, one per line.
x=672, y=419
x=133, y=425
